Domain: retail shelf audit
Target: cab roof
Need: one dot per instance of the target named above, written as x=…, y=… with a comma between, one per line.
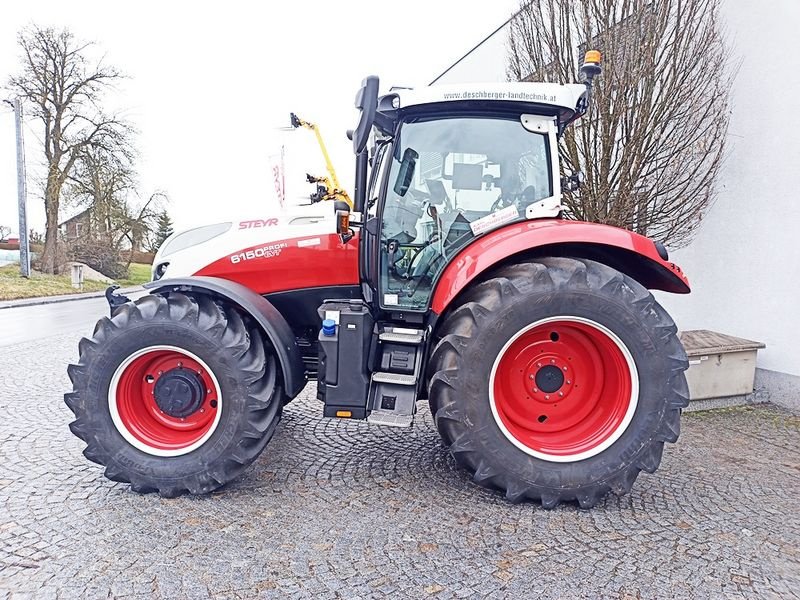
x=554, y=99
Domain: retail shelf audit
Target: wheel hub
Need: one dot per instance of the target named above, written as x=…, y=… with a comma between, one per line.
x=549, y=379
x=179, y=392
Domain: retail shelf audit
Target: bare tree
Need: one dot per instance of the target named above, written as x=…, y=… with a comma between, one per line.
x=101, y=180
x=64, y=88
x=653, y=143
x=143, y=222
x=104, y=181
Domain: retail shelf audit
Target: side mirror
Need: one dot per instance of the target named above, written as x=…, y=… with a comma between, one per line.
x=405, y=174
x=367, y=103
x=573, y=182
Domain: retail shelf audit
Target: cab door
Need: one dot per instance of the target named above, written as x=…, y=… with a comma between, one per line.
x=369, y=246
x=451, y=180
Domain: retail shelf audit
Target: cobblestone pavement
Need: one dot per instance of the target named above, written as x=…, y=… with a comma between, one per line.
x=336, y=509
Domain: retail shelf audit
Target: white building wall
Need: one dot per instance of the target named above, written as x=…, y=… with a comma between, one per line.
x=484, y=64
x=744, y=264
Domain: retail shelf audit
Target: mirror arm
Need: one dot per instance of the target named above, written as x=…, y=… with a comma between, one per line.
x=360, y=191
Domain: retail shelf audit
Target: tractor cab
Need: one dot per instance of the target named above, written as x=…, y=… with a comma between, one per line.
x=449, y=164
x=444, y=178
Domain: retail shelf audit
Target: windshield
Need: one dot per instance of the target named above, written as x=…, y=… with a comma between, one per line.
x=452, y=179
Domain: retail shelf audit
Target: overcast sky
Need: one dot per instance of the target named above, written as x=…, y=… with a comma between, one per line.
x=209, y=83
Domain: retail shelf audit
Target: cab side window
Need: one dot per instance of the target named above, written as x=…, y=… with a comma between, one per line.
x=445, y=176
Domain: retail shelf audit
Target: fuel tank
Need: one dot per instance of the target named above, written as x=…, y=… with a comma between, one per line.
x=265, y=252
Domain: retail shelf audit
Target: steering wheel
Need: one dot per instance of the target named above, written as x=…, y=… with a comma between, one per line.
x=524, y=198
x=502, y=202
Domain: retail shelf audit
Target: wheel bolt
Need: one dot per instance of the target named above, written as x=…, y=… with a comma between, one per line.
x=565, y=368
x=536, y=390
x=180, y=364
x=553, y=361
x=530, y=376
x=568, y=382
x=561, y=394
x=547, y=397
x=539, y=365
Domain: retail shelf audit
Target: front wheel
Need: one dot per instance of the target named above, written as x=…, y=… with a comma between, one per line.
x=175, y=394
x=558, y=379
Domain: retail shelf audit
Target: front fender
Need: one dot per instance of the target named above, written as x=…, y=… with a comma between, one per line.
x=628, y=252
x=259, y=308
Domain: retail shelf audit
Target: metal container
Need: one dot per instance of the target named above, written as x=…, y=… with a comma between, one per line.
x=720, y=365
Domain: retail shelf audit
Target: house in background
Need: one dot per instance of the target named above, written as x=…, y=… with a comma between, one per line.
x=77, y=226
x=744, y=263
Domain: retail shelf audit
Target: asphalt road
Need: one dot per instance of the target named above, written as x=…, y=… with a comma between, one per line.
x=28, y=323
x=337, y=509
x=25, y=324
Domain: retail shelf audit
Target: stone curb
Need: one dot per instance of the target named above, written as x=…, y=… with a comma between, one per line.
x=63, y=298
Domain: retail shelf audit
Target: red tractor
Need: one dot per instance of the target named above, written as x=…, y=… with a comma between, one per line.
x=551, y=371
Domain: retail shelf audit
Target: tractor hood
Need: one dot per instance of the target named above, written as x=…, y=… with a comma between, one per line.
x=271, y=252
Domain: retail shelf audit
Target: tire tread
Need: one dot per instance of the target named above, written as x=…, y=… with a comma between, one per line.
x=245, y=345
x=464, y=322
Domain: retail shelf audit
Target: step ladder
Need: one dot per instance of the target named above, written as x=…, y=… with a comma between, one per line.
x=393, y=389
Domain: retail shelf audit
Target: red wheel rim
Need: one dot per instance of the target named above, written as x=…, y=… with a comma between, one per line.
x=564, y=389
x=143, y=416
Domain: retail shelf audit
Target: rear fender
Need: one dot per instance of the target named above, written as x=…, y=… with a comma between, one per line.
x=259, y=308
x=628, y=252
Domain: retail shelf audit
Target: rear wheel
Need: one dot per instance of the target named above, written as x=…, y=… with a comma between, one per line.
x=175, y=394
x=558, y=380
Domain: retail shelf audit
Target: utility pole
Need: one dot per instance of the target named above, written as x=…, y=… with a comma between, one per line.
x=24, y=253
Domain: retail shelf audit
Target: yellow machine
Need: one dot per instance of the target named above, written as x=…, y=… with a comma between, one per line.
x=328, y=188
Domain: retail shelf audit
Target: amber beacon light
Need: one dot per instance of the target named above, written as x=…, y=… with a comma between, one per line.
x=593, y=57
x=591, y=68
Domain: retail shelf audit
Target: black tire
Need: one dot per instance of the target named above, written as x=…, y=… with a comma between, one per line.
x=474, y=333
x=235, y=352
